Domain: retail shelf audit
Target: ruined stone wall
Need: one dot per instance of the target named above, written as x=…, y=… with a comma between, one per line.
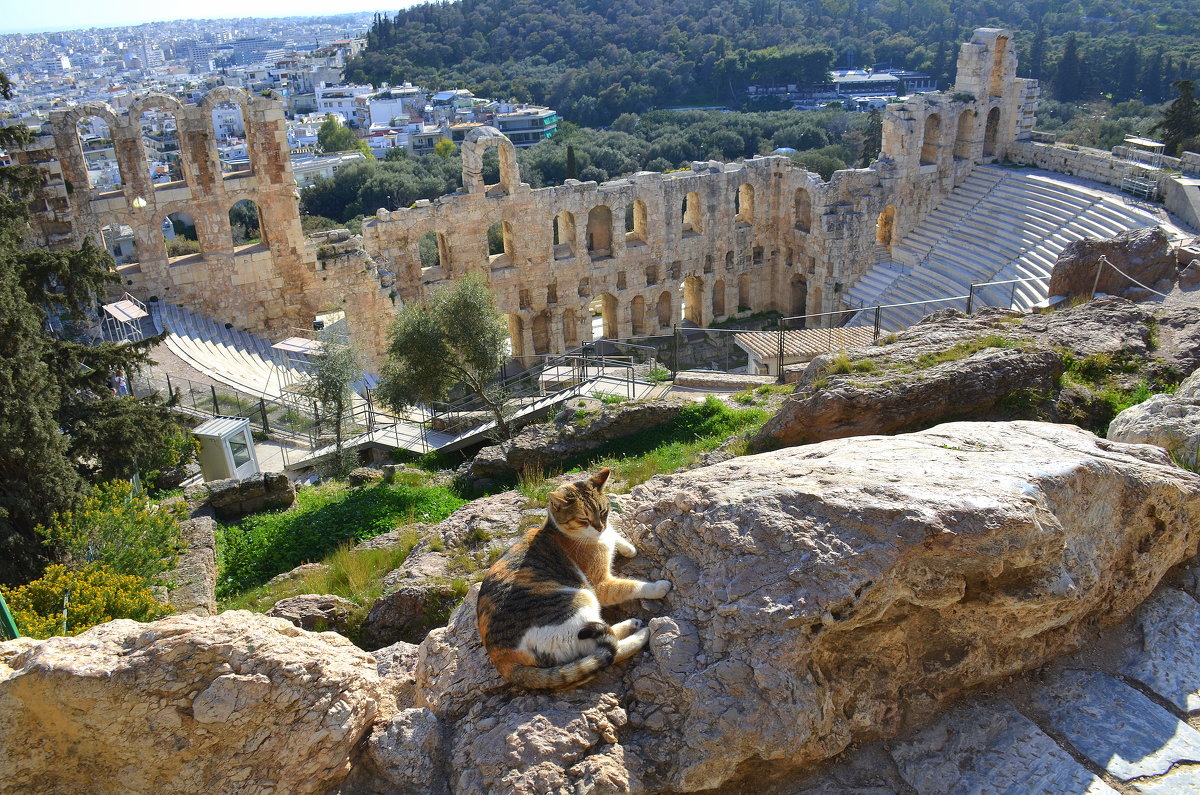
x=705, y=244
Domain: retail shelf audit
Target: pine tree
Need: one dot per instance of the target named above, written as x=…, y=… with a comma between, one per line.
x=572, y=166
x=1067, y=79
x=1180, y=124
x=1037, y=53
x=1127, y=74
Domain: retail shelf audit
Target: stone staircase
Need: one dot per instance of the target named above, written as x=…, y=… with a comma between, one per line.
x=1000, y=224
x=1119, y=717
x=236, y=358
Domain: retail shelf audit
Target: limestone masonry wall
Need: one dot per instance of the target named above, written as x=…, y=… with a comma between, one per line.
x=709, y=243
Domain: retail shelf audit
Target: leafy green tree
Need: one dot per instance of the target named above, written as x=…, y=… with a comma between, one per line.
x=444, y=148
x=59, y=419
x=457, y=336
x=1067, y=79
x=335, y=369
x=333, y=136
x=1180, y=124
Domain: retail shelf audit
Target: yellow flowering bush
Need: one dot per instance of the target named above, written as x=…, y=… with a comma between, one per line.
x=97, y=595
x=119, y=527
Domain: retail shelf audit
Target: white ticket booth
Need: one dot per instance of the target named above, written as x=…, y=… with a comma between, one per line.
x=226, y=448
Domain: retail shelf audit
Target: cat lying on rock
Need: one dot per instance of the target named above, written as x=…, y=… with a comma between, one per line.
x=539, y=606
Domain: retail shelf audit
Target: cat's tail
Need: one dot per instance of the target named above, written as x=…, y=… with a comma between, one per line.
x=574, y=672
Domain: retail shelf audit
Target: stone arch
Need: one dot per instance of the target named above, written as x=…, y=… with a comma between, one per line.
x=637, y=311
x=996, y=79
x=799, y=296
x=744, y=204
x=165, y=144
x=718, y=299
x=541, y=333
x=693, y=300
x=228, y=95
x=500, y=247
x=516, y=335
x=929, y=142
x=665, y=306
x=177, y=227
x=729, y=260
x=98, y=147
x=744, y=293
x=637, y=235
x=245, y=224
x=693, y=217
x=605, y=305
x=478, y=141
x=120, y=241
x=563, y=230
x=991, y=131
x=885, y=226
x=964, y=138
x=802, y=210
x=599, y=231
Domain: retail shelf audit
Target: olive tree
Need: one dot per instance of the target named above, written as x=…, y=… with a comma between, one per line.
x=457, y=336
x=330, y=385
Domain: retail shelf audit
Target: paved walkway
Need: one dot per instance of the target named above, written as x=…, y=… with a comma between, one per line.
x=1119, y=717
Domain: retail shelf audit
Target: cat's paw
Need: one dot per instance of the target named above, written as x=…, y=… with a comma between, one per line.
x=625, y=549
x=656, y=590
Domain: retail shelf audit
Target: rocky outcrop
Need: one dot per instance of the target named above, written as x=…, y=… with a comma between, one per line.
x=1169, y=421
x=824, y=595
x=1143, y=254
x=192, y=583
x=236, y=702
x=544, y=445
x=232, y=499
x=312, y=611
x=363, y=476
x=991, y=365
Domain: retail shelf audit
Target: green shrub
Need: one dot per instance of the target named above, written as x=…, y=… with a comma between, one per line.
x=97, y=594
x=264, y=545
x=119, y=528
x=609, y=398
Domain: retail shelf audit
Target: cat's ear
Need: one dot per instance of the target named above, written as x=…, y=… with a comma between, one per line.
x=557, y=501
x=600, y=477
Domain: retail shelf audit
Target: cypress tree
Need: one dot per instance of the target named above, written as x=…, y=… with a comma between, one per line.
x=1180, y=124
x=1067, y=78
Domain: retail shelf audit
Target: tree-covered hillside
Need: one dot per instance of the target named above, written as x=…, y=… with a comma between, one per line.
x=596, y=59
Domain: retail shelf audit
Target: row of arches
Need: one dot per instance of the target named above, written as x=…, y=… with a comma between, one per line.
x=181, y=237
x=964, y=138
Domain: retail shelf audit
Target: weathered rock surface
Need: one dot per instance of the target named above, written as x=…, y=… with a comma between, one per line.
x=312, y=611
x=361, y=476
x=397, y=666
x=548, y=444
x=235, y=702
x=824, y=595
x=233, y=499
x=905, y=390
x=1169, y=421
x=193, y=581
x=1144, y=254
x=409, y=611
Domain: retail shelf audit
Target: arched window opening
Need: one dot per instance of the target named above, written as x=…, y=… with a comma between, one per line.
x=99, y=154
x=120, y=242
x=885, y=226
x=728, y=260
x=929, y=143
x=179, y=235
x=244, y=224
x=963, y=138
x=991, y=130
x=638, y=314
x=665, y=301
x=516, y=336
x=651, y=275
x=692, y=220
x=500, y=244
x=160, y=140
x=635, y=223
x=744, y=204
x=744, y=293
x=541, y=333
x=799, y=296
x=603, y=309
x=433, y=250
x=693, y=301
x=599, y=232
x=996, y=83
x=564, y=235
x=718, y=299
x=708, y=263
x=229, y=131
x=803, y=211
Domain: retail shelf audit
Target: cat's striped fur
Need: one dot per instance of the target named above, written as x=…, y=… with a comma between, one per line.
x=539, y=607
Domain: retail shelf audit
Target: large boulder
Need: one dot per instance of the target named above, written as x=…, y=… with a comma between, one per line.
x=1142, y=254
x=312, y=611
x=235, y=702
x=824, y=595
x=1169, y=421
x=233, y=498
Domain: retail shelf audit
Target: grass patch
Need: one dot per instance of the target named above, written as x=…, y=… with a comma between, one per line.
x=697, y=430
x=964, y=349
x=535, y=485
x=261, y=546
x=842, y=363
x=609, y=398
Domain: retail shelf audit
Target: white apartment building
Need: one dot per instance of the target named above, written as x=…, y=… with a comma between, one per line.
x=340, y=99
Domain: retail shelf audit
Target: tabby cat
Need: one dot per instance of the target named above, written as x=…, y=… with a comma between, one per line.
x=539, y=607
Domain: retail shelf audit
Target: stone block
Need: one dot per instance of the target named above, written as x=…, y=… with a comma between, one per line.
x=233, y=499
x=1167, y=660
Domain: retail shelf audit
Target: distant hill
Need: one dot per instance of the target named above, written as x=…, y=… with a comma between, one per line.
x=596, y=59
